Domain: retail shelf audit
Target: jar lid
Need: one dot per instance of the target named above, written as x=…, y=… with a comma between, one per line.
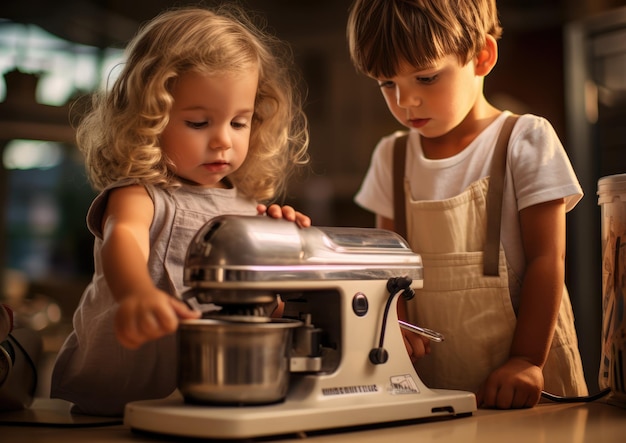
x=612, y=187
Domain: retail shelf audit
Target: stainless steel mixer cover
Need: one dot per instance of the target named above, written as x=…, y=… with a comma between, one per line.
x=256, y=248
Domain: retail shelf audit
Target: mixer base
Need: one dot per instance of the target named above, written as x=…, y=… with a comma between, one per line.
x=172, y=416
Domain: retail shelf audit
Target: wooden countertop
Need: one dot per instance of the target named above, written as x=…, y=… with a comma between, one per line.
x=49, y=421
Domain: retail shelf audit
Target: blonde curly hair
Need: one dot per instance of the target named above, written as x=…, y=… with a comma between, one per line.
x=119, y=135
x=384, y=34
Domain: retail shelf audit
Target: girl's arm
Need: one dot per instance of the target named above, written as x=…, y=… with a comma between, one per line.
x=145, y=312
x=519, y=382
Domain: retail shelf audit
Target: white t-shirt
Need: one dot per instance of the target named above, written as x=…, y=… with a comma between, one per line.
x=538, y=170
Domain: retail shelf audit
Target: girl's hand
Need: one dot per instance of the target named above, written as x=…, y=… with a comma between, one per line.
x=148, y=316
x=516, y=384
x=286, y=212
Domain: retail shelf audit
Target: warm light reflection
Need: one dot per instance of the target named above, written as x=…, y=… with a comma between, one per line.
x=66, y=69
x=591, y=102
x=32, y=154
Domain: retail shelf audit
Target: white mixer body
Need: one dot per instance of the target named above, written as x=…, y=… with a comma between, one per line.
x=348, y=366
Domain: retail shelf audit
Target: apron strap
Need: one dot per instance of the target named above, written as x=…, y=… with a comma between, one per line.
x=399, y=209
x=494, y=193
x=494, y=198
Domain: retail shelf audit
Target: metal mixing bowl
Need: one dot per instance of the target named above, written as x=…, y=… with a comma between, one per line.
x=238, y=363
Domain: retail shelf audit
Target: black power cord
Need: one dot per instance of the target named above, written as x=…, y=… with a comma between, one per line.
x=584, y=398
x=380, y=355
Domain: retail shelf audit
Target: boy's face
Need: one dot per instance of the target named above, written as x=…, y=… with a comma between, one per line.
x=432, y=100
x=208, y=133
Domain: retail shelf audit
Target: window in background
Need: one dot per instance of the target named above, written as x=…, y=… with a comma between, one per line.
x=65, y=69
x=46, y=192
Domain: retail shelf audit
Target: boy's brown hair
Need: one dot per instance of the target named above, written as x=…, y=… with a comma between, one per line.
x=382, y=34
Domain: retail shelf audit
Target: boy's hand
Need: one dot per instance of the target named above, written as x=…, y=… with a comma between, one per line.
x=516, y=384
x=416, y=345
x=286, y=212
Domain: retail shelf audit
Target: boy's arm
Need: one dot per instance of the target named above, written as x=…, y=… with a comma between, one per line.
x=519, y=382
x=543, y=236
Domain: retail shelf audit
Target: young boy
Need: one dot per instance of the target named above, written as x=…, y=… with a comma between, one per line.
x=508, y=336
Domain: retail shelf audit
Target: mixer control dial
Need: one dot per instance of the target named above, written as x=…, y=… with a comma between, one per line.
x=360, y=304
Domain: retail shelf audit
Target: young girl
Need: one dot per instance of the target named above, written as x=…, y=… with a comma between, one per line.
x=508, y=336
x=203, y=120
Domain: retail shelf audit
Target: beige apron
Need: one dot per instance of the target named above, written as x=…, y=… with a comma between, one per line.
x=473, y=311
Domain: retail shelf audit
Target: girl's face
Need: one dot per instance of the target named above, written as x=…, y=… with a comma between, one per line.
x=208, y=132
x=434, y=100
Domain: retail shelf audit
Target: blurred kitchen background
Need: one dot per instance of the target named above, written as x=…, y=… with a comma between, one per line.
x=562, y=59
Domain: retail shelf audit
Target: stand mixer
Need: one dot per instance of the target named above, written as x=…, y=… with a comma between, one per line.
x=335, y=358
